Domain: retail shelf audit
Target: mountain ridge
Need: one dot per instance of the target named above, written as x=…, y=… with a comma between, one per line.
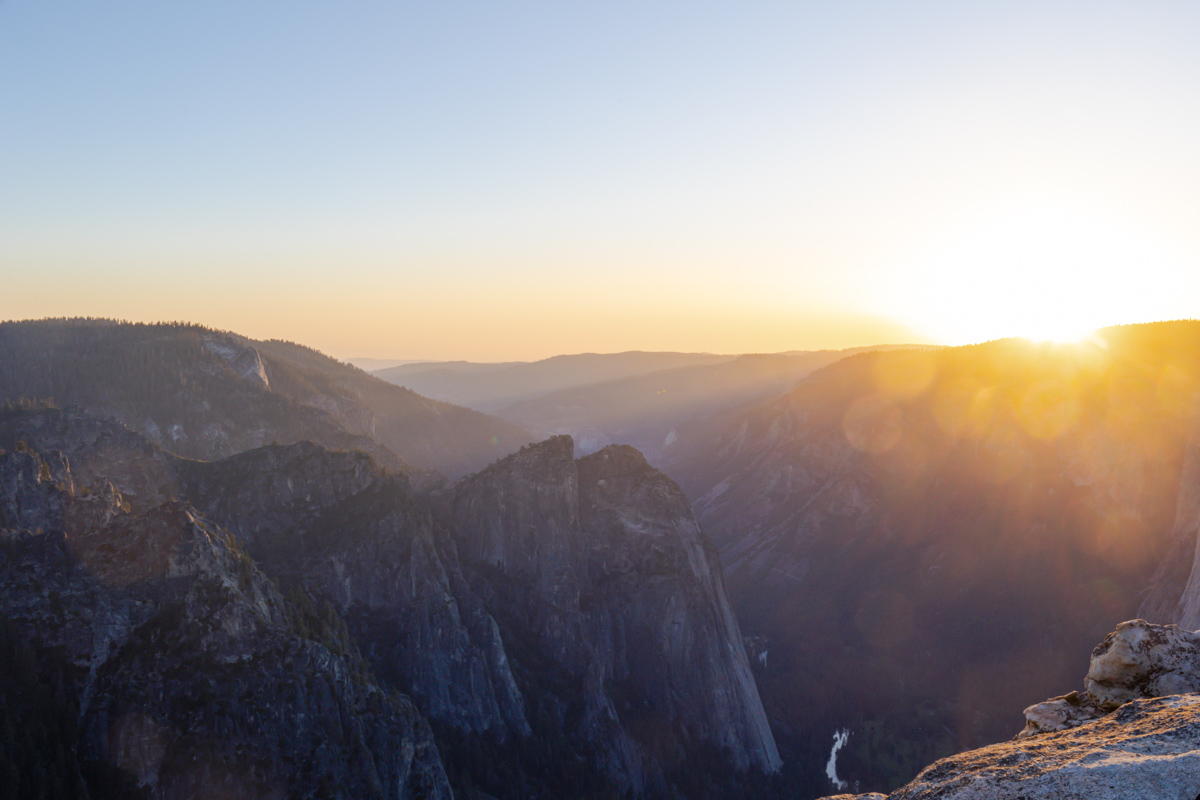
x=208, y=394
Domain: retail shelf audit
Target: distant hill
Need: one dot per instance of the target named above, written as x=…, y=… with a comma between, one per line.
x=489, y=387
x=373, y=364
x=207, y=394
x=429, y=433
x=644, y=410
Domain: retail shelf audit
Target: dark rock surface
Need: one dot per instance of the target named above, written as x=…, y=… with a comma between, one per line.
x=188, y=669
x=598, y=573
x=362, y=540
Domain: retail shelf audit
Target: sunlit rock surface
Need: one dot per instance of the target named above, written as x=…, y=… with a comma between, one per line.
x=1137, y=660
x=1146, y=750
x=1132, y=734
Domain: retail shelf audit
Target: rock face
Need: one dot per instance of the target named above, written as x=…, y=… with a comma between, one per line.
x=935, y=530
x=658, y=601
x=599, y=572
x=101, y=450
x=543, y=597
x=362, y=540
x=1175, y=590
x=186, y=665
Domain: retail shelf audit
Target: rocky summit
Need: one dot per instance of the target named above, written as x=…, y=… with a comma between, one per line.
x=602, y=560
x=294, y=621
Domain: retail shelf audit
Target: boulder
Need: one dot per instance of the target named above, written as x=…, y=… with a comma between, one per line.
x=1137, y=660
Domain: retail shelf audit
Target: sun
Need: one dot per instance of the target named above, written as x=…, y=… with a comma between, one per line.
x=1042, y=271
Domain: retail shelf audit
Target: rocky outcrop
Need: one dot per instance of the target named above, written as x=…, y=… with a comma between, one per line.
x=245, y=361
x=1133, y=733
x=101, y=451
x=1146, y=750
x=1136, y=661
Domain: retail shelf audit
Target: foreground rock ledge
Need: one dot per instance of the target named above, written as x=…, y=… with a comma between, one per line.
x=1146, y=750
x=1137, y=661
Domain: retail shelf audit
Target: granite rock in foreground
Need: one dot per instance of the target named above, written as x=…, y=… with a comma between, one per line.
x=1146, y=749
x=1136, y=661
x=1133, y=733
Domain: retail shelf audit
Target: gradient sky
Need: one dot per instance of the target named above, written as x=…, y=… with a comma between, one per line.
x=513, y=180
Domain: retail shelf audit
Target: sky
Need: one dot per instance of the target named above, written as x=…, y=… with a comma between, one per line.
x=498, y=181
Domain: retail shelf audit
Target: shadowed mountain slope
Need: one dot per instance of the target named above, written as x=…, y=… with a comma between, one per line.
x=428, y=433
x=175, y=667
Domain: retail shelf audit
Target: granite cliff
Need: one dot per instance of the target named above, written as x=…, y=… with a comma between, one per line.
x=600, y=576
x=182, y=670
x=544, y=605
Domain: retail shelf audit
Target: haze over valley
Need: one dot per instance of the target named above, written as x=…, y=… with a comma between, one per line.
x=624, y=401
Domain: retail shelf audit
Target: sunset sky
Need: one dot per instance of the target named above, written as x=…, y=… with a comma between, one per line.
x=497, y=181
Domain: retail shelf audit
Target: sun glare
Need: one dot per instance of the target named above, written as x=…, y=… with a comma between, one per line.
x=1046, y=273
